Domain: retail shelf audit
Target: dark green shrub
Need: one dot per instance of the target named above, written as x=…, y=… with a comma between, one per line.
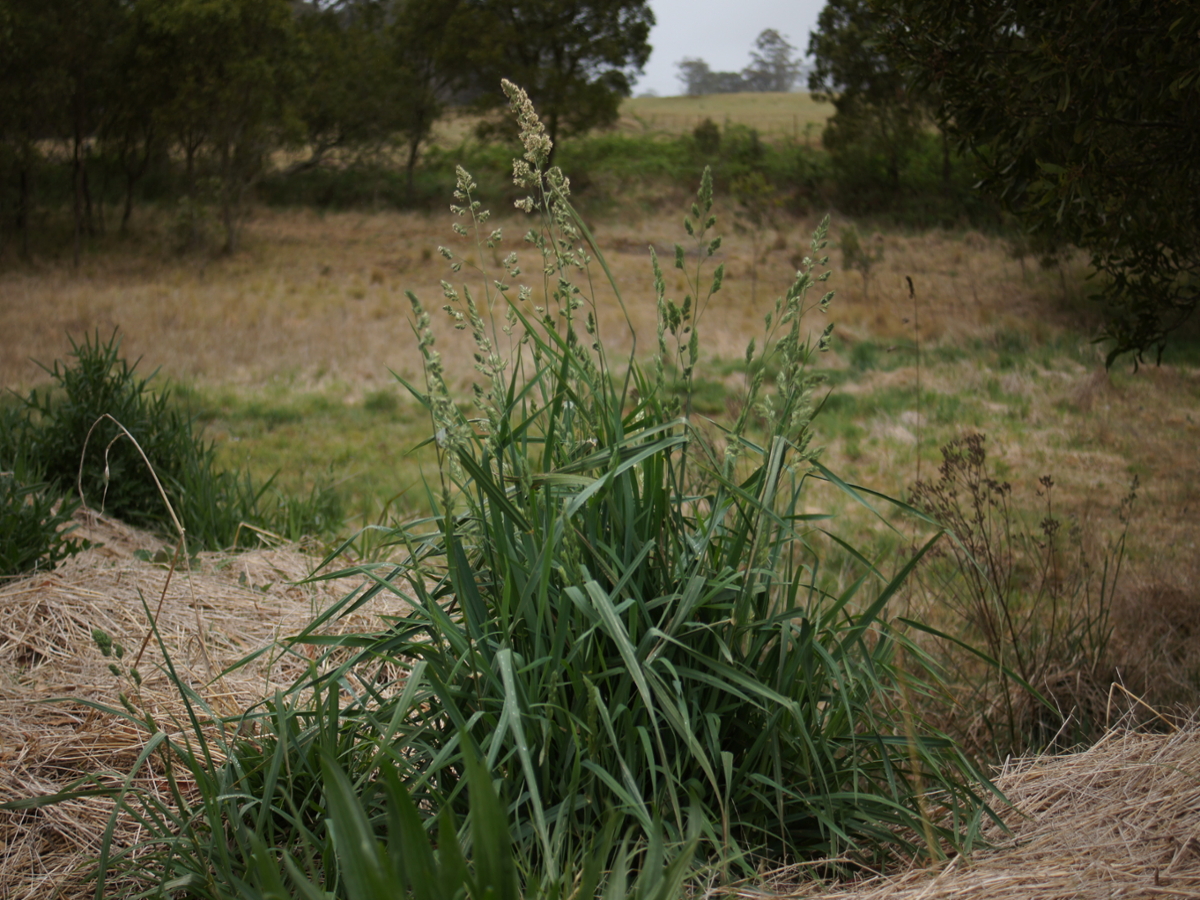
x=101, y=430
x=111, y=473
x=34, y=525
x=707, y=136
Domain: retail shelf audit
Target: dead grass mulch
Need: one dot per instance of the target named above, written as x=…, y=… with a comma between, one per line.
x=223, y=609
x=1118, y=821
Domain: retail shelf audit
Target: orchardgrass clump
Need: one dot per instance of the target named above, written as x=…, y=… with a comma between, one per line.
x=615, y=603
x=615, y=608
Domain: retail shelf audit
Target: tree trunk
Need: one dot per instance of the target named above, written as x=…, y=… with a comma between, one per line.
x=193, y=232
x=89, y=223
x=414, y=146
x=130, y=181
x=22, y=221
x=945, y=163
x=228, y=218
x=77, y=180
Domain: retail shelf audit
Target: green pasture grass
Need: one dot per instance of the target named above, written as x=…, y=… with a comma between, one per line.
x=367, y=447
x=1023, y=392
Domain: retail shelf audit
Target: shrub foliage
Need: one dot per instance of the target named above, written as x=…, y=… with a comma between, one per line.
x=101, y=432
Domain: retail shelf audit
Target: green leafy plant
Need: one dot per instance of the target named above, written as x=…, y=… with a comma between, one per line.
x=432, y=869
x=34, y=527
x=34, y=524
x=296, y=800
x=617, y=602
x=103, y=432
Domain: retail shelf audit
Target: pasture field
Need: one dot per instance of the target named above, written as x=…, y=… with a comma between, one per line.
x=288, y=354
x=794, y=115
x=775, y=115
x=285, y=353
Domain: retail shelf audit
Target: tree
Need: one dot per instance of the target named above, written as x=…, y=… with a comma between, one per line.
x=1086, y=120
x=575, y=58
x=349, y=85
x=54, y=56
x=695, y=75
x=374, y=72
x=699, y=79
x=31, y=91
x=85, y=33
x=131, y=131
x=424, y=46
x=230, y=71
x=772, y=64
x=876, y=112
x=772, y=68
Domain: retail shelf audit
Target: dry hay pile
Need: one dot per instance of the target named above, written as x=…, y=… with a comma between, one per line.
x=226, y=607
x=1119, y=820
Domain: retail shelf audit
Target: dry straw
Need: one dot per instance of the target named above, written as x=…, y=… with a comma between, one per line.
x=1119, y=820
x=242, y=603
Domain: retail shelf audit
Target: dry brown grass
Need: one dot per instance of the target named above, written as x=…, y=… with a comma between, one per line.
x=321, y=297
x=1120, y=820
x=318, y=302
x=218, y=613
x=794, y=115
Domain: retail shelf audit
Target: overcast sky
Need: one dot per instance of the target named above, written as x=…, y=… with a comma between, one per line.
x=721, y=32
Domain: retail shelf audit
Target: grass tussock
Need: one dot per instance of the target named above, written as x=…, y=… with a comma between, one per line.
x=613, y=607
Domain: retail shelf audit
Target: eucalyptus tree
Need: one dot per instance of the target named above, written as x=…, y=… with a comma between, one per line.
x=29, y=87
x=349, y=89
x=1085, y=118
x=576, y=58
x=875, y=111
x=773, y=63
x=425, y=48
x=52, y=72
x=229, y=69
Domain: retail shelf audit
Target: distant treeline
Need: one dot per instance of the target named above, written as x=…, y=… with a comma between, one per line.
x=206, y=93
x=770, y=177
x=199, y=106
x=773, y=66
